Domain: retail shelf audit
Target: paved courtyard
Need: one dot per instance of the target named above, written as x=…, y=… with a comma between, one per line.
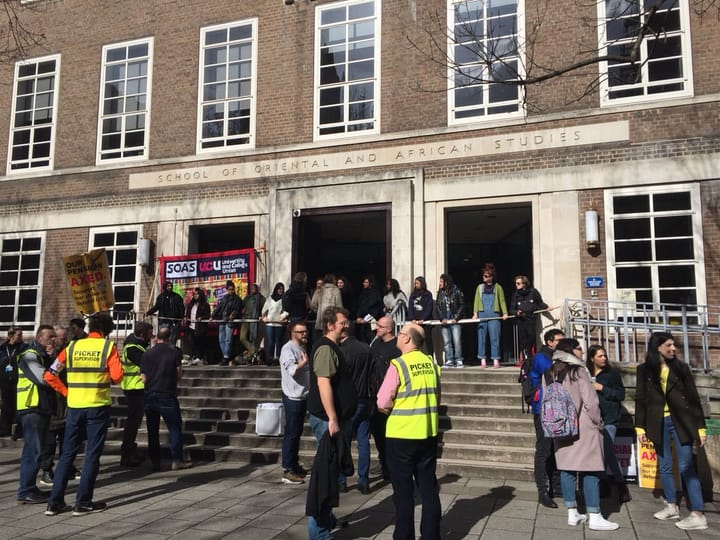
x=232, y=500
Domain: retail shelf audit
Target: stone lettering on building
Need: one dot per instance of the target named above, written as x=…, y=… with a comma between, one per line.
x=388, y=156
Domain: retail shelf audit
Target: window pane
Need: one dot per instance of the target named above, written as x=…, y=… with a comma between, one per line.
x=27, y=296
x=633, y=251
x=673, y=226
x=678, y=296
x=676, y=276
x=127, y=238
x=10, y=245
x=664, y=202
x=10, y=262
x=124, y=293
x=631, y=204
x=631, y=228
x=28, y=277
x=681, y=248
x=30, y=262
x=633, y=278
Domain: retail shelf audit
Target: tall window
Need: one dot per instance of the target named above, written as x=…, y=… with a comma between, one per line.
x=655, y=245
x=348, y=68
x=484, y=50
x=121, y=246
x=32, y=128
x=125, y=101
x=21, y=272
x=663, y=68
x=227, y=86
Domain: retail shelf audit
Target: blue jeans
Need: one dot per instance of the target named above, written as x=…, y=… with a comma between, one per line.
x=492, y=328
x=225, y=335
x=92, y=421
x=685, y=464
x=35, y=427
x=159, y=404
x=294, y=424
x=453, y=346
x=273, y=342
x=360, y=426
x=591, y=490
x=610, y=458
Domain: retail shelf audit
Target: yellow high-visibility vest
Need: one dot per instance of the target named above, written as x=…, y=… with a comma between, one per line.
x=131, y=371
x=27, y=392
x=415, y=409
x=88, y=378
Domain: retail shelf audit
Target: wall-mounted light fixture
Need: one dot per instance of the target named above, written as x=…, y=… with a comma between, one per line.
x=592, y=229
x=144, y=253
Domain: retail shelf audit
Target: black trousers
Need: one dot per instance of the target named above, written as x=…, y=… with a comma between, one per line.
x=545, y=467
x=378, y=421
x=135, y=400
x=8, y=398
x=408, y=459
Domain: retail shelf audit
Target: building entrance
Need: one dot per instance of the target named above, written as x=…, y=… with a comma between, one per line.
x=350, y=241
x=501, y=234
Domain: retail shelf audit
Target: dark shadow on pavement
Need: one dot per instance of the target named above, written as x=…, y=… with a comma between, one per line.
x=464, y=514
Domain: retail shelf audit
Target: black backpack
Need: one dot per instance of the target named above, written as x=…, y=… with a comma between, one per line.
x=527, y=388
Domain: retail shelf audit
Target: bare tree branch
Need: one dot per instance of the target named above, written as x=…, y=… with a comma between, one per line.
x=16, y=39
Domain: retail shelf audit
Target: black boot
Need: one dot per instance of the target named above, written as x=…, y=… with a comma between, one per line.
x=545, y=499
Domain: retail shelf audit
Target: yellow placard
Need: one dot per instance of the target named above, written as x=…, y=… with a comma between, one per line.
x=88, y=276
x=648, y=473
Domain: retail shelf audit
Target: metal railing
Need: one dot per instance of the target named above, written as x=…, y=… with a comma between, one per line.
x=623, y=328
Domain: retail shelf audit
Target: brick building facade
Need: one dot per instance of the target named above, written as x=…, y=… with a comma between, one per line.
x=325, y=135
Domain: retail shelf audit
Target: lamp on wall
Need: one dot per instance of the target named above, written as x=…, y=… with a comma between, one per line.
x=144, y=253
x=592, y=229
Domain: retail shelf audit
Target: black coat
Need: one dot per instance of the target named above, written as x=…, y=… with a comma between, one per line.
x=681, y=396
x=611, y=395
x=332, y=457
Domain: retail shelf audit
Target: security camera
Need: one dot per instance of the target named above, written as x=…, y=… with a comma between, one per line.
x=296, y=211
x=289, y=2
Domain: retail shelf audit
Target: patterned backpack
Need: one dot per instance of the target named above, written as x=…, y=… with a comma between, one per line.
x=558, y=414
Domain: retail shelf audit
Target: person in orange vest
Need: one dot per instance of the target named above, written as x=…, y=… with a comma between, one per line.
x=92, y=364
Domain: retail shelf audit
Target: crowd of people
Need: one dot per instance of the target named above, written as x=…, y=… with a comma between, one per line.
x=255, y=325
x=366, y=372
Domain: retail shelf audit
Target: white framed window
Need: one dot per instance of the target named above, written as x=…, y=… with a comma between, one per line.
x=655, y=248
x=124, y=117
x=32, y=128
x=484, y=44
x=228, y=81
x=347, y=72
x=664, y=67
x=121, y=247
x=22, y=259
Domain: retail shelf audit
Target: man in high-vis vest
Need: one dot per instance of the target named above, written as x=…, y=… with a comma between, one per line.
x=410, y=395
x=134, y=389
x=92, y=364
x=35, y=404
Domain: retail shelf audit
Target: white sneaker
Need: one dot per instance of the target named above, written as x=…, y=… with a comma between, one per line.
x=574, y=518
x=599, y=523
x=185, y=362
x=694, y=522
x=671, y=511
x=196, y=362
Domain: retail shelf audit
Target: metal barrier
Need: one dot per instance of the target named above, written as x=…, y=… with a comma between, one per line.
x=623, y=328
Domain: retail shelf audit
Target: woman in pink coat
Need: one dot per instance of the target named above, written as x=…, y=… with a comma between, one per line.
x=584, y=453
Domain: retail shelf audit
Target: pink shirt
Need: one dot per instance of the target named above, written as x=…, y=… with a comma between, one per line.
x=388, y=389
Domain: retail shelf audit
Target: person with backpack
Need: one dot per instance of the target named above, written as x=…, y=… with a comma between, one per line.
x=531, y=374
x=571, y=405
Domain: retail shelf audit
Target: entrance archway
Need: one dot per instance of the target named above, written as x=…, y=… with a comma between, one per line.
x=350, y=241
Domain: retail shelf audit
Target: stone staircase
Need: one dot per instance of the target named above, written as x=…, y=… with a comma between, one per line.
x=484, y=432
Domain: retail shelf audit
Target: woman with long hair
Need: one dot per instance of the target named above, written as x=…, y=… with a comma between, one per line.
x=584, y=453
x=667, y=408
x=611, y=392
x=420, y=309
x=395, y=301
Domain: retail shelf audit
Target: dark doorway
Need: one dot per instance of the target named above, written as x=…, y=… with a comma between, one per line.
x=220, y=237
x=350, y=241
x=501, y=234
